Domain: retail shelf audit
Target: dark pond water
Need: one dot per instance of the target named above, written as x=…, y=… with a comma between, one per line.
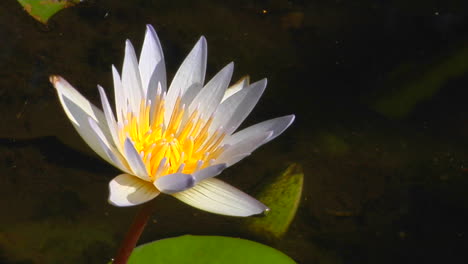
x=379, y=89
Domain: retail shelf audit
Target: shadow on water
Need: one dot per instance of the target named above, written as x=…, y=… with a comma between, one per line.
x=55, y=152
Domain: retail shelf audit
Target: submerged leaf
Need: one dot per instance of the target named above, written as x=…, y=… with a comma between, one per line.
x=410, y=84
x=207, y=249
x=42, y=10
x=282, y=196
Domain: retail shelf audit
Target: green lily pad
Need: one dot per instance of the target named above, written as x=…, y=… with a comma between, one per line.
x=42, y=10
x=282, y=196
x=206, y=250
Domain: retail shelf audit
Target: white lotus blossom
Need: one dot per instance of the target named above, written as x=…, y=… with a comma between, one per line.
x=175, y=140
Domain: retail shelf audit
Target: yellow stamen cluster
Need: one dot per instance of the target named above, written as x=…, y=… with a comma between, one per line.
x=185, y=143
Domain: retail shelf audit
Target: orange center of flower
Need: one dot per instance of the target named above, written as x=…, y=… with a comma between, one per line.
x=185, y=142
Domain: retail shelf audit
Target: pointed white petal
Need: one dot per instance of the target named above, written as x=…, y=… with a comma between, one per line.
x=239, y=85
x=66, y=90
x=128, y=190
x=108, y=113
x=153, y=100
x=245, y=147
x=134, y=161
x=79, y=109
x=276, y=125
x=233, y=159
x=209, y=172
x=98, y=132
x=191, y=71
x=210, y=96
x=174, y=183
x=151, y=57
x=232, y=112
x=158, y=79
x=115, y=158
x=120, y=95
x=131, y=80
x=190, y=94
x=218, y=197
x=254, y=93
x=227, y=109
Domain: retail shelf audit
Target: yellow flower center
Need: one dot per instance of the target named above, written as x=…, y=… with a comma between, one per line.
x=185, y=142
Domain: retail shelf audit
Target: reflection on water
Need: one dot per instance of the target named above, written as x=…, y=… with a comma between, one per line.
x=378, y=188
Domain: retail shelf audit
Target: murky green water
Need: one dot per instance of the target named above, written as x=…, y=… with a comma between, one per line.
x=378, y=88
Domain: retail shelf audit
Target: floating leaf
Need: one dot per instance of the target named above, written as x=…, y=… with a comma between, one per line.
x=42, y=10
x=207, y=249
x=282, y=196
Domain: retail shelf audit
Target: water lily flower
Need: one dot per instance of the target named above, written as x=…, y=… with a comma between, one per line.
x=175, y=140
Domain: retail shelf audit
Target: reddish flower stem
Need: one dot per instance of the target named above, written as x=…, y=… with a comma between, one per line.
x=134, y=233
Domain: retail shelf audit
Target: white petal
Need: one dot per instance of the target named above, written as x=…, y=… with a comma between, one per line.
x=115, y=158
x=227, y=109
x=134, y=161
x=152, y=99
x=218, y=197
x=233, y=159
x=66, y=90
x=191, y=92
x=131, y=80
x=158, y=79
x=128, y=190
x=120, y=95
x=150, y=57
x=209, y=172
x=254, y=92
x=78, y=110
x=111, y=123
x=239, y=85
x=232, y=112
x=210, y=96
x=243, y=148
x=192, y=71
x=174, y=183
x=276, y=125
